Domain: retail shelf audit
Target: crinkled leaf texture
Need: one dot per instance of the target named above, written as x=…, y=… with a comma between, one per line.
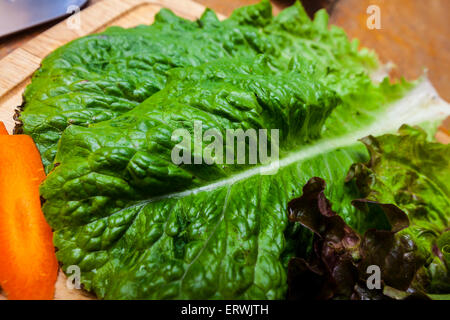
x=102, y=110
x=406, y=179
x=338, y=264
x=408, y=171
x=101, y=76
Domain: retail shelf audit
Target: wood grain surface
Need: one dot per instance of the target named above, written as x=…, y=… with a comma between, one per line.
x=414, y=35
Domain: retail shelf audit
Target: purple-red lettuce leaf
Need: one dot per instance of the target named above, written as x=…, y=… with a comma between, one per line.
x=337, y=265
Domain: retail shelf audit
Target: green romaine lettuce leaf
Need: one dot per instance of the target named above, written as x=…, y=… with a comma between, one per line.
x=101, y=76
x=217, y=238
x=140, y=226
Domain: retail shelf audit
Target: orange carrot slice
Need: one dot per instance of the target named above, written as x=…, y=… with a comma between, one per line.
x=3, y=130
x=28, y=265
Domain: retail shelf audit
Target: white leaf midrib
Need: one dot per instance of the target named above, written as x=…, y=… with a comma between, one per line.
x=419, y=105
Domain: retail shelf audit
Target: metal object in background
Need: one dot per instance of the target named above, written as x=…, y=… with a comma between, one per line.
x=18, y=15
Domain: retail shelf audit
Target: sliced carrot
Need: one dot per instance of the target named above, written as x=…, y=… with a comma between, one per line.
x=3, y=130
x=28, y=265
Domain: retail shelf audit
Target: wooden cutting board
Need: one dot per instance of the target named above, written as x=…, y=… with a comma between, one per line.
x=24, y=61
